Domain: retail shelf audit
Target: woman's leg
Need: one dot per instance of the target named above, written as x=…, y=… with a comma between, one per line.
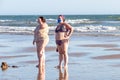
x=45, y=44
x=60, y=56
x=43, y=60
x=66, y=73
x=41, y=75
x=65, y=52
x=60, y=60
x=40, y=52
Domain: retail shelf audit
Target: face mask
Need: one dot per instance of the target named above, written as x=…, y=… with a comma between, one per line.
x=59, y=20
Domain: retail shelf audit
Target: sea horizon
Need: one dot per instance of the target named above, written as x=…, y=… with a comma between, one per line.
x=64, y=14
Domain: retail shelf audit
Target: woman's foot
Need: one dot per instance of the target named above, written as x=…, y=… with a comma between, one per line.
x=42, y=65
x=65, y=67
x=37, y=66
x=58, y=67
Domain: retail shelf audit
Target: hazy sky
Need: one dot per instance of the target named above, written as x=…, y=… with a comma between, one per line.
x=46, y=7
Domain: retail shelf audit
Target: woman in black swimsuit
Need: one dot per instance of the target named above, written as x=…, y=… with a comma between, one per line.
x=63, y=32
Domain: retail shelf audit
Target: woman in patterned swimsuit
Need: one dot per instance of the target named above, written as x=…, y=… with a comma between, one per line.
x=63, y=32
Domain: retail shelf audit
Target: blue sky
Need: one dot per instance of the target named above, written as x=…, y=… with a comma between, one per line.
x=46, y=7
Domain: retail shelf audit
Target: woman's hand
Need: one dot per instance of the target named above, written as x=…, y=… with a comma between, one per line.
x=33, y=42
x=67, y=37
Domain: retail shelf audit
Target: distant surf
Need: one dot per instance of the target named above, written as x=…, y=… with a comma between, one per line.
x=25, y=24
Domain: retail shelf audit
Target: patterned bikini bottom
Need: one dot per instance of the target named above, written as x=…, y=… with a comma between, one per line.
x=59, y=42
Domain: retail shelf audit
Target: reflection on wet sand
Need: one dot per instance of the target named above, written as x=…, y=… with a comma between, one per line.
x=41, y=73
x=112, y=56
x=100, y=45
x=63, y=74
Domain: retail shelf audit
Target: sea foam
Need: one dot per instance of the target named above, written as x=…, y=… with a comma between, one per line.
x=90, y=28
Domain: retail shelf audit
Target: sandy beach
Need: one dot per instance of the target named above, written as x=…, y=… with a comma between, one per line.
x=90, y=58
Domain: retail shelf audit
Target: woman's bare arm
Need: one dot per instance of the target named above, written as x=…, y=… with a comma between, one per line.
x=69, y=27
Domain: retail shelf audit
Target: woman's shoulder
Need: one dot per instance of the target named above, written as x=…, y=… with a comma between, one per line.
x=44, y=25
x=68, y=25
x=65, y=23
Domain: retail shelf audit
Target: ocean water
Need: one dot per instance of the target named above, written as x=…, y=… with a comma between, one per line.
x=25, y=24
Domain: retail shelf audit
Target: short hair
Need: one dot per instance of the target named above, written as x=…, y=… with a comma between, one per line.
x=42, y=18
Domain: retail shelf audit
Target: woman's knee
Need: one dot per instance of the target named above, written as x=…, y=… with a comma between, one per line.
x=64, y=51
x=40, y=54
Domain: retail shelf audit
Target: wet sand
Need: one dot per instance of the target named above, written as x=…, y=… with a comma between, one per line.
x=7, y=57
x=90, y=58
x=76, y=54
x=114, y=56
x=100, y=45
x=113, y=49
